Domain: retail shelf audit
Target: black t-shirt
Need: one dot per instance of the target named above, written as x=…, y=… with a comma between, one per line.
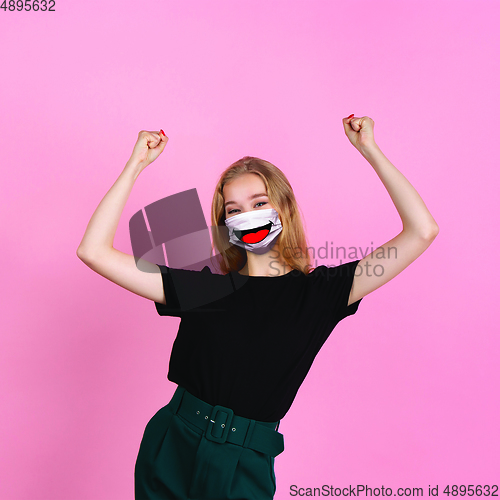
x=248, y=342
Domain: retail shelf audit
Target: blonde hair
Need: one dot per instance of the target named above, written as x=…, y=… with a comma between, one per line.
x=291, y=243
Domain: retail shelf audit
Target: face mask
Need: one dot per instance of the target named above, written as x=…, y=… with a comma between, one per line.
x=256, y=230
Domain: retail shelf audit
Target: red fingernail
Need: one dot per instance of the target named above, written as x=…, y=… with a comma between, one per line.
x=166, y=136
x=350, y=116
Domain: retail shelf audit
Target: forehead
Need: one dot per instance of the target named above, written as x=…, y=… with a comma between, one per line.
x=243, y=186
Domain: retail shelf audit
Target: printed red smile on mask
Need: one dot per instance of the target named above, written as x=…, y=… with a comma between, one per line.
x=255, y=237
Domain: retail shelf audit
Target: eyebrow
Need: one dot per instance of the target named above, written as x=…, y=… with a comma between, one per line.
x=250, y=198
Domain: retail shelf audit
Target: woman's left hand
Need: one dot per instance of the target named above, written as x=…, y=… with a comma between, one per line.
x=360, y=132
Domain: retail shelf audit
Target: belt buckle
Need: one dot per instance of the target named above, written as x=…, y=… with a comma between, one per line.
x=218, y=429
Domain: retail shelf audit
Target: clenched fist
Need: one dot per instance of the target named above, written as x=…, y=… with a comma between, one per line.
x=148, y=147
x=359, y=131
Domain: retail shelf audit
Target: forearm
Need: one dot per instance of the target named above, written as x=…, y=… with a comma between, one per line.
x=414, y=214
x=102, y=227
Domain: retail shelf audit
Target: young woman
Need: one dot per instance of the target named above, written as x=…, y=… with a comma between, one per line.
x=250, y=333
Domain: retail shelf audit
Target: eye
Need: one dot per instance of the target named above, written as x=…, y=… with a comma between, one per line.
x=231, y=211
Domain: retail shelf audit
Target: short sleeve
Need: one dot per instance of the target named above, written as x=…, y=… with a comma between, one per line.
x=332, y=287
x=191, y=291
x=172, y=306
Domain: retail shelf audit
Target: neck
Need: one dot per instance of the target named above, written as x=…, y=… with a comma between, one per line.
x=264, y=265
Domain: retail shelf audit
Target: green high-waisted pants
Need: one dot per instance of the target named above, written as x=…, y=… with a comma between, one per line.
x=191, y=450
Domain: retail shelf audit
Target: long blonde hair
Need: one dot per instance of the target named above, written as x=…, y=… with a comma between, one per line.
x=291, y=243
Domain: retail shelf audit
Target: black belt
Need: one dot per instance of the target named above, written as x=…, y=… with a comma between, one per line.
x=220, y=424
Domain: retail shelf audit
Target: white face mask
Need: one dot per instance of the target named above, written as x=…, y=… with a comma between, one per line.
x=256, y=230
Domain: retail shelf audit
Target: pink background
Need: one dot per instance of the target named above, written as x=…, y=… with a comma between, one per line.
x=404, y=393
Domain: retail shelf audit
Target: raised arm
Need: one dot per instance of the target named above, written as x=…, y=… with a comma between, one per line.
x=419, y=227
x=96, y=248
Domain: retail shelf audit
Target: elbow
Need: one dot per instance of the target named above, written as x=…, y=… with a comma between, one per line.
x=431, y=232
x=424, y=232
x=82, y=254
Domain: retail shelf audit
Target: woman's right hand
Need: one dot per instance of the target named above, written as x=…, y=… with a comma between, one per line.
x=148, y=147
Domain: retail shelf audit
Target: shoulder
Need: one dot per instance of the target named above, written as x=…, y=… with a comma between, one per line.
x=189, y=288
x=342, y=270
x=206, y=271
